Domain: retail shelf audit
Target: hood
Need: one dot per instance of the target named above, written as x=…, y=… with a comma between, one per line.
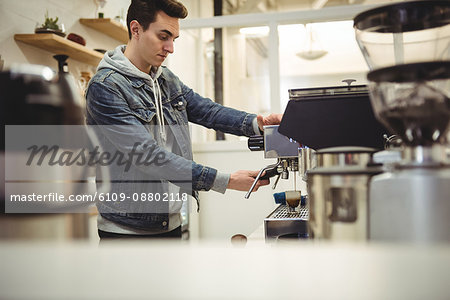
x=116, y=60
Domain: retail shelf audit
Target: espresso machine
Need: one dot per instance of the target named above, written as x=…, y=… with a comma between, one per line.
x=289, y=219
x=337, y=126
x=334, y=160
x=406, y=46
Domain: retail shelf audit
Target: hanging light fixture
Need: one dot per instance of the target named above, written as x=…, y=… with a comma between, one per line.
x=313, y=48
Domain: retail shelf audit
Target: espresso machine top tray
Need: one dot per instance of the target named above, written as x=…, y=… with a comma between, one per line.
x=332, y=117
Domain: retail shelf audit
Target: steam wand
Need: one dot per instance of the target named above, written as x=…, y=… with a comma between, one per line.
x=271, y=171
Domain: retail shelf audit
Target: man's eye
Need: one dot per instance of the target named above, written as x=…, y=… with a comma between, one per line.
x=164, y=37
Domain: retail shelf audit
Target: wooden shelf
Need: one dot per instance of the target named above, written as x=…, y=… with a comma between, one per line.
x=109, y=27
x=59, y=45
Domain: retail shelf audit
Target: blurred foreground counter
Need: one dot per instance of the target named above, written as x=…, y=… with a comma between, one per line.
x=181, y=270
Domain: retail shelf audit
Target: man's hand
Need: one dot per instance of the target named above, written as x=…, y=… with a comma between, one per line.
x=242, y=180
x=272, y=119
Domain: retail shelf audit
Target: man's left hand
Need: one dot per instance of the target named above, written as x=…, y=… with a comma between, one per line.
x=272, y=119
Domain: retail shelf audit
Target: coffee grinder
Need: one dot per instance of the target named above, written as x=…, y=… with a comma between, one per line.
x=406, y=46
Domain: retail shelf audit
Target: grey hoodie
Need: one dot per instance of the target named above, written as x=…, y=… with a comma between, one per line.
x=117, y=61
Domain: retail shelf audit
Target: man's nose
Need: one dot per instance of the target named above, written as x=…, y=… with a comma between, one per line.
x=168, y=46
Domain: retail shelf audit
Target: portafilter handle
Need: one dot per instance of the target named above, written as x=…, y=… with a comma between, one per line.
x=272, y=169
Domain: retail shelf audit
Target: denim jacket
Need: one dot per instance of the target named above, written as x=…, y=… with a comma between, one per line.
x=121, y=100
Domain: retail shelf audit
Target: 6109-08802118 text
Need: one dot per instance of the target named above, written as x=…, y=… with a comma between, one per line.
x=107, y=197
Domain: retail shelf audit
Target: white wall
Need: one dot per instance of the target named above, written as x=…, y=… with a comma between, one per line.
x=21, y=16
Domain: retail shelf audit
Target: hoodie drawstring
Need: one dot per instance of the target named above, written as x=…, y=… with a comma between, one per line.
x=159, y=109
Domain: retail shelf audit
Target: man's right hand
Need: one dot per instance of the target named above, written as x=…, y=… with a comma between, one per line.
x=242, y=180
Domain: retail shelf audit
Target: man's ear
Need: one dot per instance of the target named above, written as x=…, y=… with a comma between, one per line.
x=134, y=28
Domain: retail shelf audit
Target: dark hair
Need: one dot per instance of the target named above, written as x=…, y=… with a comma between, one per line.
x=144, y=11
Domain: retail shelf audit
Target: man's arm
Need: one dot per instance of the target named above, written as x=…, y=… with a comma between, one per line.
x=124, y=130
x=205, y=112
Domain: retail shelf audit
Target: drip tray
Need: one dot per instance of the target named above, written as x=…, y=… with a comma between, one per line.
x=282, y=222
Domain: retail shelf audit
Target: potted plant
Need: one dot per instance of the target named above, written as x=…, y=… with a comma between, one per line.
x=50, y=25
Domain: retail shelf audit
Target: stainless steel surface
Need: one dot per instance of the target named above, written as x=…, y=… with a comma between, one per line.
x=435, y=155
x=338, y=193
x=307, y=161
x=277, y=145
x=283, y=169
x=276, y=181
x=411, y=205
x=282, y=221
x=338, y=203
x=283, y=212
x=343, y=156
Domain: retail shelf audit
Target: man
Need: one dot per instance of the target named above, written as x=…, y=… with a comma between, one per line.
x=143, y=109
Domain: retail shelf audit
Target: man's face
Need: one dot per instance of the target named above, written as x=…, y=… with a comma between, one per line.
x=157, y=41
